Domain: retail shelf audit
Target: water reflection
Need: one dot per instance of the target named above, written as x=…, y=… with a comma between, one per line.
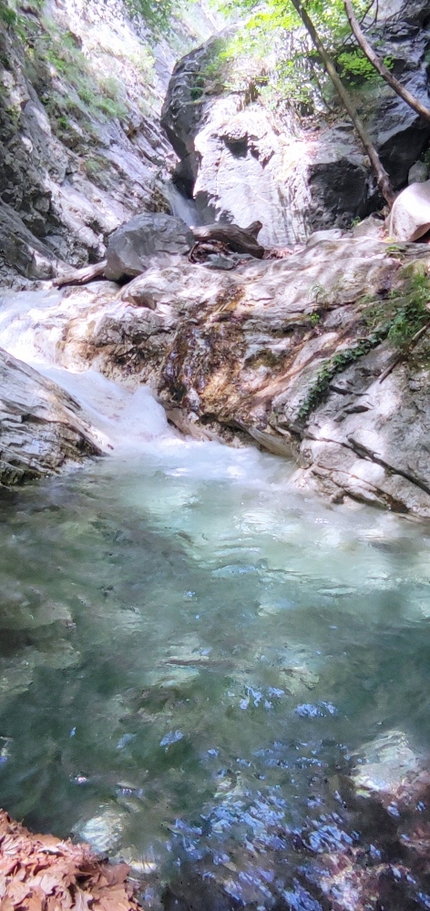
x=188, y=662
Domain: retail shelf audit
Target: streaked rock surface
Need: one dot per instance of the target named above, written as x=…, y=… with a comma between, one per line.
x=41, y=427
x=292, y=353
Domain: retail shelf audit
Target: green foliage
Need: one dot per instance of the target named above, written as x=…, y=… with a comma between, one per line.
x=410, y=309
x=158, y=15
x=298, y=73
x=95, y=166
x=66, y=82
x=295, y=78
x=197, y=88
x=405, y=311
x=396, y=319
x=236, y=65
x=8, y=16
x=354, y=66
x=426, y=157
x=319, y=294
x=12, y=19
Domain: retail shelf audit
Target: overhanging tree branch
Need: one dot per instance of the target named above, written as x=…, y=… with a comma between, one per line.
x=380, y=66
x=382, y=177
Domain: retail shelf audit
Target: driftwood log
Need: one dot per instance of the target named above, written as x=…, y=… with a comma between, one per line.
x=239, y=240
x=225, y=238
x=81, y=276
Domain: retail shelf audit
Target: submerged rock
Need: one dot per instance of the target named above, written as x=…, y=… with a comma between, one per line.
x=390, y=773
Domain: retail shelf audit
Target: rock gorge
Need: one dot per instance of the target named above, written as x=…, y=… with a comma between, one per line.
x=301, y=352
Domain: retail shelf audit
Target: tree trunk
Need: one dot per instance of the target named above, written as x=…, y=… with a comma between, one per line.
x=380, y=66
x=382, y=177
x=240, y=240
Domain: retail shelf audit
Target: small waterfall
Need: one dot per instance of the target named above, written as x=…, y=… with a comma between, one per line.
x=126, y=419
x=181, y=206
x=32, y=325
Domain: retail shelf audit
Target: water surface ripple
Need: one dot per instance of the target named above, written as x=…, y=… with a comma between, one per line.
x=190, y=656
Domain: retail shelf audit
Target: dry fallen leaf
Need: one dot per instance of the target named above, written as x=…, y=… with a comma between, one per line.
x=44, y=873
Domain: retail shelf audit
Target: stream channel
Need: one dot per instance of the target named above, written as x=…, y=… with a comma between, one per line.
x=191, y=653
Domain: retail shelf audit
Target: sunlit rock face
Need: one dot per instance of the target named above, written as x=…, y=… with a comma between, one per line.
x=238, y=160
x=410, y=216
x=293, y=353
x=241, y=160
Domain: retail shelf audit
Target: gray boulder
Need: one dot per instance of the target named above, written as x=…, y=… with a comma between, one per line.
x=132, y=247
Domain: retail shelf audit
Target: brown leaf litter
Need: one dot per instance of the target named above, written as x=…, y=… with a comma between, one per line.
x=44, y=873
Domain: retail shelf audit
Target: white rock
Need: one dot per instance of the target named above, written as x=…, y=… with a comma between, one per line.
x=409, y=218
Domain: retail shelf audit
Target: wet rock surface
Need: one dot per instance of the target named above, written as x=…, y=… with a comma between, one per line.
x=41, y=427
x=294, y=353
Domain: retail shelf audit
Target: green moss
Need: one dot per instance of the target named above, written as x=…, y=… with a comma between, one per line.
x=319, y=390
x=95, y=165
x=405, y=309
x=65, y=80
x=410, y=305
x=397, y=319
x=158, y=16
x=264, y=358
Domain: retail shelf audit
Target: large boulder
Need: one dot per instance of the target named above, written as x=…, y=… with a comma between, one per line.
x=132, y=247
x=410, y=216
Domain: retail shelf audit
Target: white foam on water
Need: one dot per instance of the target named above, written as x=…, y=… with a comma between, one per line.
x=131, y=425
x=124, y=420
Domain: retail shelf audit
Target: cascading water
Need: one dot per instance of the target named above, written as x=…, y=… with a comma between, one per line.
x=181, y=206
x=190, y=652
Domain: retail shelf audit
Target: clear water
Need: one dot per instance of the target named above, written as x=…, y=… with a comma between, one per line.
x=189, y=651
x=183, y=646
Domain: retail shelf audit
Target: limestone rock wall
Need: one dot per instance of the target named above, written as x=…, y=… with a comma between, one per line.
x=82, y=150
x=240, y=160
